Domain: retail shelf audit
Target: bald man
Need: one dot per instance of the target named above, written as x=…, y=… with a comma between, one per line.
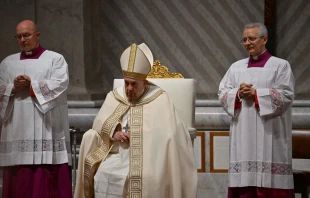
x=34, y=119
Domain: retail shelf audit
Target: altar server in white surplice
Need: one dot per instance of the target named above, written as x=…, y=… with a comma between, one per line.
x=257, y=92
x=138, y=146
x=34, y=119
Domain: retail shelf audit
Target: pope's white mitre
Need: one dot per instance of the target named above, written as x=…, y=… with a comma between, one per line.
x=136, y=61
x=148, y=53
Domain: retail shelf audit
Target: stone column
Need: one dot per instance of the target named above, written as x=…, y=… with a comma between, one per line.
x=61, y=25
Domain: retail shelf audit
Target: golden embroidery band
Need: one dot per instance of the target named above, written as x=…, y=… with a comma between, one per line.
x=94, y=159
x=132, y=57
x=136, y=155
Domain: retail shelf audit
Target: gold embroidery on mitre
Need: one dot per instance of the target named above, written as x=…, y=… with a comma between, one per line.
x=132, y=57
x=160, y=71
x=136, y=152
x=134, y=75
x=93, y=159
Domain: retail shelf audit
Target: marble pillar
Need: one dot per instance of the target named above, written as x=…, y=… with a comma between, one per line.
x=61, y=25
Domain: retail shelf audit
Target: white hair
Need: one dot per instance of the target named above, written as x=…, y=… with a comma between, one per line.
x=262, y=30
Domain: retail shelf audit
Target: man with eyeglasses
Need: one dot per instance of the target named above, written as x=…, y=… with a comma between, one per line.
x=34, y=141
x=257, y=92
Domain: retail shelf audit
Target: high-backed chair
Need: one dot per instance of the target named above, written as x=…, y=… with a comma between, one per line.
x=181, y=91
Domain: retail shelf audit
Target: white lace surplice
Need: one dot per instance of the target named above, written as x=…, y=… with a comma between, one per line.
x=260, y=140
x=34, y=130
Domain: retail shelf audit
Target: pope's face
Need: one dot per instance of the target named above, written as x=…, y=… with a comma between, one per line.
x=254, y=44
x=134, y=88
x=27, y=37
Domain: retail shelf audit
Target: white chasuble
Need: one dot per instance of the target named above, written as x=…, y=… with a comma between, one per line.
x=34, y=129
x=260, y=139
x=111, y=176
x=158, y=161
